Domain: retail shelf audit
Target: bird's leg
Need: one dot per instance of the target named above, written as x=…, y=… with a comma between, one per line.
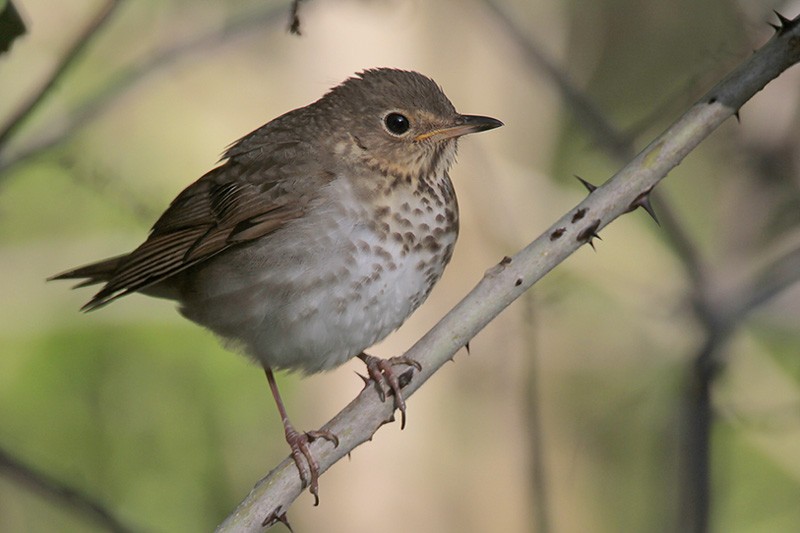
x=380, y=370
x=299, y=442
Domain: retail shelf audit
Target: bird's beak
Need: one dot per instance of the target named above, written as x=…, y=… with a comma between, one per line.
x=462, y=125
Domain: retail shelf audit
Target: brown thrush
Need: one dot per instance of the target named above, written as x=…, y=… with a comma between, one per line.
x=321, y=232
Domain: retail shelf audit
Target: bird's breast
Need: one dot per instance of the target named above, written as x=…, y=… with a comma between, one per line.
x=330, y=284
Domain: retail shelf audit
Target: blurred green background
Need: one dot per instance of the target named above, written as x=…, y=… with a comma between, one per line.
x=579, y=408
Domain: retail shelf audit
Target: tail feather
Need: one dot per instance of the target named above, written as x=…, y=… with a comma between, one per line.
x=98, y=272
x=92, y=274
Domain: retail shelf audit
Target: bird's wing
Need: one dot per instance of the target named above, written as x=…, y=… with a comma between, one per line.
x=232, y=204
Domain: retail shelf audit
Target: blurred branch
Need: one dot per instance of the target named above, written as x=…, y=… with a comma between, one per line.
x=601, y=130
x=772, y=280
x=94, y=105
x=70, y=497
x=502, y=284
x=695, y=474
x=721, y=317
x=73, y=53
x=533, y=402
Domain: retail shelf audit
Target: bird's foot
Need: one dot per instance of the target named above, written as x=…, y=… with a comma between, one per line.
x=380, y=371
x=299, y=442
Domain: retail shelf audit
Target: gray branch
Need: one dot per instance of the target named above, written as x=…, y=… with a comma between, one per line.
x=508, y=280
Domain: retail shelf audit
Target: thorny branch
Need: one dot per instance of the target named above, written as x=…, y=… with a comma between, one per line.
x=508, y=280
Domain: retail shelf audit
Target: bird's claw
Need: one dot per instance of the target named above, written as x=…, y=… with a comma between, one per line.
x=380, y=371
x=298, y=442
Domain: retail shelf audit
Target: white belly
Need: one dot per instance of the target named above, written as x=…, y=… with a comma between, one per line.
x=314, y=294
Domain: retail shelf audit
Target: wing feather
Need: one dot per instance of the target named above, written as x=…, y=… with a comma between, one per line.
x=204, y=220
x=262, y=185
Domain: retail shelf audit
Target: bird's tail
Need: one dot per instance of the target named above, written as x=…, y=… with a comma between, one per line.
x=99, y=272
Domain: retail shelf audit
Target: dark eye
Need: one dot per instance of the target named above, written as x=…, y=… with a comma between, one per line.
x=396, y=123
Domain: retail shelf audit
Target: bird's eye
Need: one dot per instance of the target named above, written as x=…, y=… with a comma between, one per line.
x=396, y=123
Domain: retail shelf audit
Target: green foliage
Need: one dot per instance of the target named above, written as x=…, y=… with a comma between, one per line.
x=140, y=417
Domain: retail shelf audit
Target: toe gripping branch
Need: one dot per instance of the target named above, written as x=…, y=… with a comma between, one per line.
x=381, y=371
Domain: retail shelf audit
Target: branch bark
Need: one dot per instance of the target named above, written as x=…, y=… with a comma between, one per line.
x=508, y=280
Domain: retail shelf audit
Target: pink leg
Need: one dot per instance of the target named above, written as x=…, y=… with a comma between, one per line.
x=299, y=442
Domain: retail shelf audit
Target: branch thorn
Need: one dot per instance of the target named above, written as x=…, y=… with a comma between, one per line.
x=589, y=186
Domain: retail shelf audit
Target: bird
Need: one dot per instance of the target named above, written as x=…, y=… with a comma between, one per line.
x=316, y=236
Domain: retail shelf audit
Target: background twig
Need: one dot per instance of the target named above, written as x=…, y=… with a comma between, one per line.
x=124, y=81
x=63, y=494
x=73, y=53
